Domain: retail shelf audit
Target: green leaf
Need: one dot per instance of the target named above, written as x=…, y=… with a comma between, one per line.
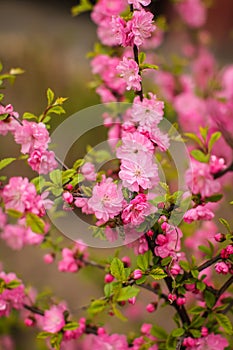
x=14, y=213
x=6, y=161
x=108, y=289
x=194, y=137
x=178, y=332
x=197, y=310
x=143, y=260
x=85, y=5
x=13, y=284
x=141, y=57
x=96, y=307
x=214, y=198
x=157, y=273
x=141, y=280
x=201, y=286
x=118, y=313
x=50, y=96
x=195, y=333
x=184, y=265
x=224, y=322
x=56, y=177
x=214, y=138
x=70, y=326
x=117, y=269
x=204, y=132
x=200, y=156
x=195, y=273
x=148, y=66
x=44, y=335
x=158, y=332
x=197, y=321
x=16, y=71
x=209, y=299
x=127, y=293
x=28, y=115
x=4, y=116
x=226, y=224
x=36, y=224
x=78, y=163
x=171, y=343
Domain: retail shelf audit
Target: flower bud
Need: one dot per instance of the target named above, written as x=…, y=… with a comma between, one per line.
x=151, y=307
x=108, y=278
x=137, y=274
x=219, y=237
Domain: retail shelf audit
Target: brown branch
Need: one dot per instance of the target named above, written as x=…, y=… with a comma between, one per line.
x=223, y=172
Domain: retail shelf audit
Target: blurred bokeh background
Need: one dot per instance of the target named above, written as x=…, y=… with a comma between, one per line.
x=51, y=46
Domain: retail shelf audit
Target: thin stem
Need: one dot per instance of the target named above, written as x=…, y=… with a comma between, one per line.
x=223, y=172
x=224, y=287
x=209, y=263
x=33, y=309
x=93, y=264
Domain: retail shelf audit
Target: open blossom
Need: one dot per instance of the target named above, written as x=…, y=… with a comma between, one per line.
x=147, y=112
x=141, y=26
x=138, y=172
x=11, y=298
x=53, y=320
x=159, y=139
x=106, y=200
x=71, y=258
x=42, y=161
x=222, y=267
x=88, y=170
x=134, y=143
x=193, y=12
x=19, y=194
x=106, y=342
x=128, y=69
x=168, y=244
x=201, y=212
x=210, y=342
x=200, y=180
x=32, y=136
x=137, y=3
x=9, y=124
x=135, y=212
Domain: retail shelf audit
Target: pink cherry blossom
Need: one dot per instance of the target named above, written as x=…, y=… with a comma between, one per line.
x=141, y=26
x=9, y=124
x=193, y=12
x=128, y=70
x=106, y=200
x=160, y=139
x=200, y=180
x=211, y=342
x=11, y=298
x=222, y=267
x=139, y=172
x=137, y=3
x=42, y=161
x=134, y=143
x=148, y=112
x=13, y=235
x=88, y=170
x=168, y=244
x=201, y=212
x=106, y=342
x=216, y=164
x=53, y=320
x=19, y=194
x=135, y=212
x=32, y=136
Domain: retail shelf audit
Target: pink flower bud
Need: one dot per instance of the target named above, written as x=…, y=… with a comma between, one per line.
x=175, y=269
x=151, y=307
x=181, y=301
x=67, y=197
x=190, y=287
x=108, y=278
x=101, y=331
x=137, y=274
x=132, y=300
x=190, y=342
x=161, y=239
x=155, y=285
x=219, y=237
x=150, y=233
x=204, y=331
x=126, y=261
x=29, y=322
x=222, y=267
x=164, y=226
x=146, y=328
x=161, y=205
x=48, y=258
x=69, y=187
x=172, y=297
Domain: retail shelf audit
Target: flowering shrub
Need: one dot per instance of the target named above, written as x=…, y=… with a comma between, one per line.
x=135, y=199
